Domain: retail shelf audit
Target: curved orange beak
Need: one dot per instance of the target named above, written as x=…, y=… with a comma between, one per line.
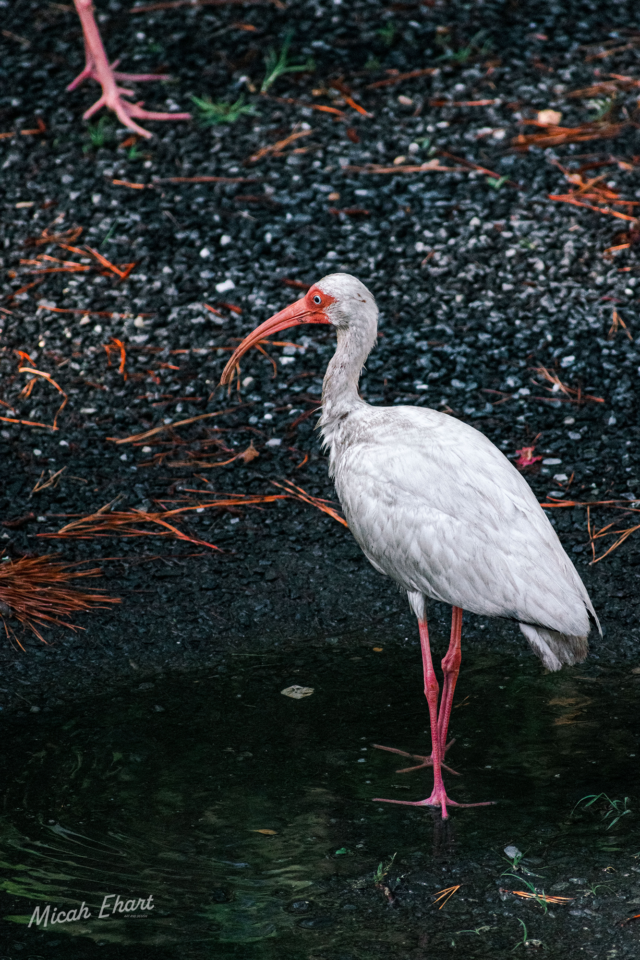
x=302, y=311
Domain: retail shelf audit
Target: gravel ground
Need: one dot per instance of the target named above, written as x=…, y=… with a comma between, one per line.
x=479, y=281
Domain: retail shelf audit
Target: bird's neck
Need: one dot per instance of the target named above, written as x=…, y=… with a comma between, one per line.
x=340, y=386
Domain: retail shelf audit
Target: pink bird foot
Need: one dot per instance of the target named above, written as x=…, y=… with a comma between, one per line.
x=438, y=798
x=98, y=68
x=426, y=761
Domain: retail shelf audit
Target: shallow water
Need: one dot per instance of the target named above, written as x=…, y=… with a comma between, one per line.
x=163, y=790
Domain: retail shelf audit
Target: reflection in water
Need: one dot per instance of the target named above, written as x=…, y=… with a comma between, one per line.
x=247, y=816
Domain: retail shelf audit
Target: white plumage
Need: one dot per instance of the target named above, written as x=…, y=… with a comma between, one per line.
x=436, y=506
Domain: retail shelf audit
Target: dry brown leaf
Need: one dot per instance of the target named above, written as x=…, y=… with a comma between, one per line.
x=249, y=454
x=297, y=692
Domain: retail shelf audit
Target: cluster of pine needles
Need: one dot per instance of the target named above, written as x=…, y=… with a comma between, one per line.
x=39, y=592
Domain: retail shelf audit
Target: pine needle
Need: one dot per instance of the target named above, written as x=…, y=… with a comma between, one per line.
x=37, y=592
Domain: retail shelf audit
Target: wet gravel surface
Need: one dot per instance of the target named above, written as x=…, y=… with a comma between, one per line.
x=479, y=282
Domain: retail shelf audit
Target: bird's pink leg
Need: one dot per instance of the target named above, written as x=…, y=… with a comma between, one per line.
x=450, y=671
x=98, y=68
x=438, y=796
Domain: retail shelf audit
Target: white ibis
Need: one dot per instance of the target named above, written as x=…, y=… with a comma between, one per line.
x=438, y=508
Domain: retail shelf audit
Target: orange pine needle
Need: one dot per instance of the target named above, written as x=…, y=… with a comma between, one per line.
x=554, y=134
x=539, y=896
x=67, y=236
x=574, y=395
x=106, y=263
x=171, y=426
x=399, y=77
x=321, y=108
x=355, y=106
x=37, y=592
x=107, y=522
x=117, y=346
x=297, y=493
x=49, y=379
x=279, y=145
x=51, y=482
x=24, y=357
x=569, y=198
x=127, y=183
x=445, y=895
x=605, y=531
x=617, y=323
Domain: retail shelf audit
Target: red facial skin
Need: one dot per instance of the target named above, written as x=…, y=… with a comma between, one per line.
x=310, y=309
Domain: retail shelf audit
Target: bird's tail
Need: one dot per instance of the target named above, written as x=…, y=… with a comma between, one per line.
x=555, y=648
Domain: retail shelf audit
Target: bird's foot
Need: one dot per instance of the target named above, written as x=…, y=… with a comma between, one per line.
x=113, y=98
x=425, y=761
x=126, y=111
x=438, y=798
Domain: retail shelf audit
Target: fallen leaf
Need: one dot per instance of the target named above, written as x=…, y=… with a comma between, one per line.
x=249, y=454
x=267, y=833
x=297, y=692
x=552, y=117
x=526, y=457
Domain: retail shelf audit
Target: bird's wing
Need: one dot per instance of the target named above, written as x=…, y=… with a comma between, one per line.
x=437, y=507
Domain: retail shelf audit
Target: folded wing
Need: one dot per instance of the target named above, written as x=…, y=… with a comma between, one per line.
x=438, y=508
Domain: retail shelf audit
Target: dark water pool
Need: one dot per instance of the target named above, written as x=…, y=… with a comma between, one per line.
x=248, y=818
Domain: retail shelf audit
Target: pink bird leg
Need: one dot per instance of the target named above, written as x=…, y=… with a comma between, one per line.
x=439, y=719
x=98, y=68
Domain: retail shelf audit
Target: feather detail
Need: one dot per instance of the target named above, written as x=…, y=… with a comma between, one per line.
x=555, y=649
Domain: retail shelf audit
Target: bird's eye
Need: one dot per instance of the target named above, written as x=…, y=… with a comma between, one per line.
x=317, y=299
